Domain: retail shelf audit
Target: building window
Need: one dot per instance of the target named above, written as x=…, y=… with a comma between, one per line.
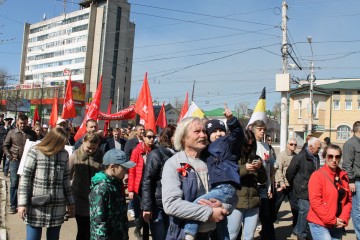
x=300, y=109
x=336, y=105
x=343, y=132
x=316, y=110
x=348, y=105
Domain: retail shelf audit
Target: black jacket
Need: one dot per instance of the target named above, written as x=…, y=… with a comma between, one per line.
x=111, y=144
x=299, y=171
x=130, y=145
x=151, y=186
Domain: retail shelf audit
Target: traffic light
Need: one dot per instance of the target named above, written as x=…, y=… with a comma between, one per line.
x=313, y=128
x=305, y=128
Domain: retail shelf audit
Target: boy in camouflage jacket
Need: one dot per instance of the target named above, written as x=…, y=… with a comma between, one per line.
x=108, y=211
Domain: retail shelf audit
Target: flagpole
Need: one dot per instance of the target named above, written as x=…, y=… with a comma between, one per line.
x=193, y=90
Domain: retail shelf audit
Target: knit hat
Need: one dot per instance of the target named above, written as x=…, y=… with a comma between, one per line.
x=214, y=124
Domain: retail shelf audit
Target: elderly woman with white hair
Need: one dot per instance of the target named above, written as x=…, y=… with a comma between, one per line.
x=185, y=178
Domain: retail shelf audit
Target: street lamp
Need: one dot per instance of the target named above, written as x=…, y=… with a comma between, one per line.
x=311, y=86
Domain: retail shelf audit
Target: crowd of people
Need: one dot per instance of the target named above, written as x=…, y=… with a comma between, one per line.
x=202, y=179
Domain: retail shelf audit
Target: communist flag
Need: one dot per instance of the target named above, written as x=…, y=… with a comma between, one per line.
x=36, y=116
x=184, y=108
x=144, y=106
x=161, y=120
x=92, y=112
x=54, y=112
x=69, y=110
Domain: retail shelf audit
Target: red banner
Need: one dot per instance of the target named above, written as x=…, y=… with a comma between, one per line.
x=125, y=114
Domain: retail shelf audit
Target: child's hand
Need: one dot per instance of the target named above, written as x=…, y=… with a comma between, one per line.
x=227, y=113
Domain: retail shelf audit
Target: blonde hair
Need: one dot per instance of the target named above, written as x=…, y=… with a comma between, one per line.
x=53, y=142
x=182, y=130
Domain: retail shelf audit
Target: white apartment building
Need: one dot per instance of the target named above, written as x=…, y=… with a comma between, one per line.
x=96, y=40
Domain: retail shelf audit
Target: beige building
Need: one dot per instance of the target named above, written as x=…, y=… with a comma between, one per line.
x=336, y=105
x=96, y=40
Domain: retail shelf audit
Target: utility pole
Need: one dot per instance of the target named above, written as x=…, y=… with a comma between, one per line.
x=284, y=94
x=311, y=88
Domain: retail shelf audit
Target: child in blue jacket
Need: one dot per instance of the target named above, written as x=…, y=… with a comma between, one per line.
x=223, y=168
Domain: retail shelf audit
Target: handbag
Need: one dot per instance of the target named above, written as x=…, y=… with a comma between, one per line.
x=41, y=200
x=45, y=199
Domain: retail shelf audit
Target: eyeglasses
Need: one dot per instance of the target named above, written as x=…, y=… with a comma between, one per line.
x=331, y=157
x=150, y=137
x=293, y=144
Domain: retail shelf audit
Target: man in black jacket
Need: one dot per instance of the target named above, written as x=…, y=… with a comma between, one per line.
x=298, y=174
x=116, y=141
x=133, y=142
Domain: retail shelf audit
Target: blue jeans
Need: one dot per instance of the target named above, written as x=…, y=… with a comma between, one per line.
x=14, y=183
x=6, y=164
x=248, y=217
x=34, y=233
x=301, y=225
x=355, y=211
x=159, y=224
x=322, y=233
x=225, y=193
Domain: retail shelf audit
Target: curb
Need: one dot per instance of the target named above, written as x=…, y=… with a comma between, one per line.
x=2, y=209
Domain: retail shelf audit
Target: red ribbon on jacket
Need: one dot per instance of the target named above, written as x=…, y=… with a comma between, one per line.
x=183, y=170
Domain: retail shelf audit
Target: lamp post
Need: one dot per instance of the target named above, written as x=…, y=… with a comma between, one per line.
x=311, y=86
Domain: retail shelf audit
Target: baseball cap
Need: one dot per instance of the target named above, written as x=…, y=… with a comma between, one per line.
x=60, y=120
x=116, y=156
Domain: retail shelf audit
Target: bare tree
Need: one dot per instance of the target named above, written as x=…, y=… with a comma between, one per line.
x=277, y=110
x=242, y=109
x=177, y=103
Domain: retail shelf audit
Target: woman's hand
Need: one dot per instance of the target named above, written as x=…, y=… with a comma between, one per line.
x=340, y=223
x=70, y=210
x=22, y=212
x=131, y=195
x=147, y=215
x=250, y=167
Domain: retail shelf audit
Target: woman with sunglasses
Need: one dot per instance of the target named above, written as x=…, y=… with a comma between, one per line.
x=139, y=156
x=330, y=198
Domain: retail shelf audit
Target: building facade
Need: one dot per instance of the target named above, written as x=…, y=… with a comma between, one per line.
x=336, y=106
x=95, y=41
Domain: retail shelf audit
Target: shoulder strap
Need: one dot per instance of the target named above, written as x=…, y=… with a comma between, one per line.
x=333, y=182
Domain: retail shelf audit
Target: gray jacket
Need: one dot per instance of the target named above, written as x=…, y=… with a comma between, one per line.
x=172, y=194
x=351, y=158
x=283, y=161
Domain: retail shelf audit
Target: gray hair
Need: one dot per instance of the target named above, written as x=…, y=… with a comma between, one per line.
x=312, y=141
x=181, y=131
x=291, y=139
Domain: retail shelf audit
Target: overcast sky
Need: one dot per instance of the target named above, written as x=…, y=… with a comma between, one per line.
x=231, y=48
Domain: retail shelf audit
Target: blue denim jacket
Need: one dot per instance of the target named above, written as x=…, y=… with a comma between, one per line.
x=224, y=155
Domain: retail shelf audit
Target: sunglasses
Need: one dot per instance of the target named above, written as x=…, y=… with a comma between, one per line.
x=293, y=144
x=150, y=137
x=331, y=157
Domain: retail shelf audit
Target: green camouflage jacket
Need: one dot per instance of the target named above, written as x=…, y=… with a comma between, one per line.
x=108, y=211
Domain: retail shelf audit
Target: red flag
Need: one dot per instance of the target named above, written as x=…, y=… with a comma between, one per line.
x=107, y=122
x=92, y=112
x=144, y=106
x=161, y=120
x=36, y=116
x=69, y=110
x=54, y=112
x=184, y=108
